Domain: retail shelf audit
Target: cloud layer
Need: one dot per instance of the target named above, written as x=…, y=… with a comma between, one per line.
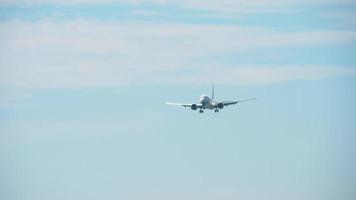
x=77, y=54
x=200, y=3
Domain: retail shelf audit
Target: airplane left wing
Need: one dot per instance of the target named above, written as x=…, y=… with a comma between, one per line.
x=185, y=105
x=227, y=103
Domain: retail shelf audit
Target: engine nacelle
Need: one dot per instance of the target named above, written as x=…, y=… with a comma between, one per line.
x=194, y=106
x=220, y=105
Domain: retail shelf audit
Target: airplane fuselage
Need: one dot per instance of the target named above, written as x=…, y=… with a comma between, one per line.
x=207, y=102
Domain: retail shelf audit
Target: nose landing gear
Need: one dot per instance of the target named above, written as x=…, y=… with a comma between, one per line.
x=201, y=111
x=216, y=110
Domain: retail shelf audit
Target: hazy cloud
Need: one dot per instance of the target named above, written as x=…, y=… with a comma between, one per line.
x=76, y=54
x=196, y=3
x=260, y=75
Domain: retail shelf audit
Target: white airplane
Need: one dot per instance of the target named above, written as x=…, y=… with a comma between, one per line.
x=210, y=103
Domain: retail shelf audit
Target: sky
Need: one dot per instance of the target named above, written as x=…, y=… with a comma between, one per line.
x=83, y=86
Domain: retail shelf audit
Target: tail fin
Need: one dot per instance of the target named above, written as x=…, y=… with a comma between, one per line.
x=212, y=92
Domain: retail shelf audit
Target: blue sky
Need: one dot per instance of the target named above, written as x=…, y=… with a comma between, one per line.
x=83, y=86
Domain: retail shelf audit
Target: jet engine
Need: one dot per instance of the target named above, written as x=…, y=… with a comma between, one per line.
x=220, y=105
x=194, y=106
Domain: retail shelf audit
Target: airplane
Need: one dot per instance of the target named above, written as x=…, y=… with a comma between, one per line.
x=210, y=103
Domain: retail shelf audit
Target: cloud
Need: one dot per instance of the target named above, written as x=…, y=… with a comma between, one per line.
x=223, y=5
x=340, y=18
x=241, y=5
x=87, y=54
x=146, y=13
x=193, y=2
x=224, y=9
x=261, y=75
x=14, y=99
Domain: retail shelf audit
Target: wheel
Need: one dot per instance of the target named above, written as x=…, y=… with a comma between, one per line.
x=216, y=110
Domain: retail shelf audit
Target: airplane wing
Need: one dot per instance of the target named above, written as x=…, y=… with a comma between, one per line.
x=184, y=104
x=227, y=103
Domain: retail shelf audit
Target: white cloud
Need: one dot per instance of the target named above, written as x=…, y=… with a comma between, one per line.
x=77, y=54
x=140, y=12
x=261, y=75
x=195, y=2
x=222, y=5
x=13, y=99
x=222, y=8
x=240, y=5
x=340, y=18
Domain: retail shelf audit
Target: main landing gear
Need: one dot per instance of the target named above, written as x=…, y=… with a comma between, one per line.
x=201, y=111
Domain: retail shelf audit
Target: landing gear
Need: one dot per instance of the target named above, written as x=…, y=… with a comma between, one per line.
x=216, y=110
x=201, y=111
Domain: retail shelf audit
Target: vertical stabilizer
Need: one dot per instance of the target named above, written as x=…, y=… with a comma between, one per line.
x=212, y=92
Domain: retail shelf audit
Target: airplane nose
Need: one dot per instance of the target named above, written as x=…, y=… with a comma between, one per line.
x=203, y=100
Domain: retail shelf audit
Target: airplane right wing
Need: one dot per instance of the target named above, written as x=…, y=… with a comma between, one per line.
x=185, y=105
x=227, y=103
